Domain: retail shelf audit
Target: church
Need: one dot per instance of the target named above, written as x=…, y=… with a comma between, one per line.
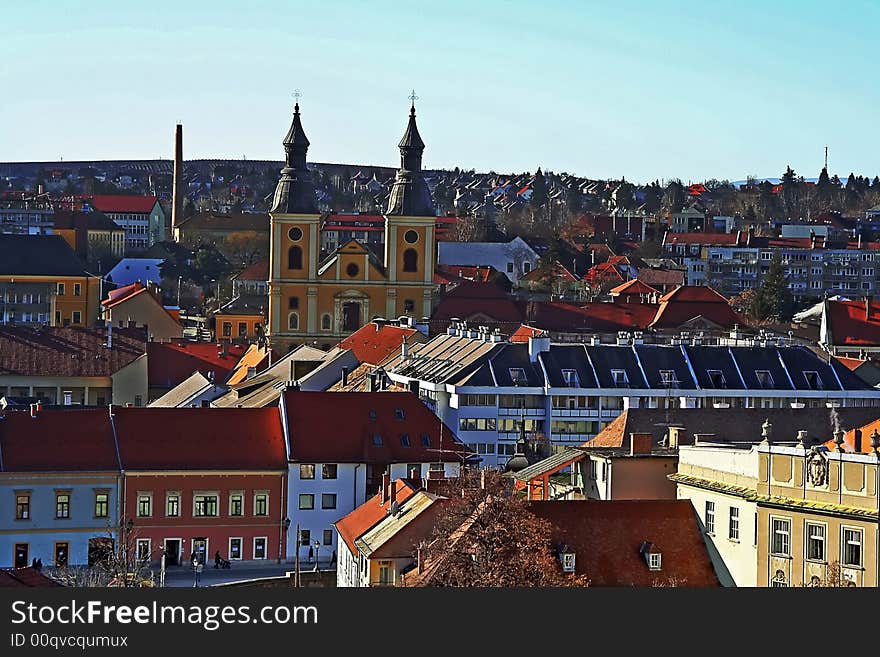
x=319, y=301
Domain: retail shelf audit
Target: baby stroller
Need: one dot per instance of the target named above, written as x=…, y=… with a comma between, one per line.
x=225, y=563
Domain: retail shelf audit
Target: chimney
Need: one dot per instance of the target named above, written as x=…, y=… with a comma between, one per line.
x=252, y=372
x=177, y=191
x=373, y=376
x=483, y=479
x=344, y=376
x=640, y=443
x=857, y=441
x=392, y=495
x=415, y=475
x=404, y=350
x=538, y=344
x=384, y=491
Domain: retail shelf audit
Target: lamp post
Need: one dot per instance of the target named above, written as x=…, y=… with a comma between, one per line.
x=285, y=524
x=179, y=278
x=317, y=548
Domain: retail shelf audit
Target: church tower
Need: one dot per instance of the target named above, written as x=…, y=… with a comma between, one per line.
x=295, y=244
x=410, y=220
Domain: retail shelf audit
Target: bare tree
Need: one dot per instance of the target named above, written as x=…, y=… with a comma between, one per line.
x=486, y=536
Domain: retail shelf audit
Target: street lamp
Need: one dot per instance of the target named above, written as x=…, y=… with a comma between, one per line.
x=285, y=524
x=317, y=548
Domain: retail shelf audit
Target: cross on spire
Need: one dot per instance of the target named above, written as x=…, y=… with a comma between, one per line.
x=297, y=94
x=413, y=98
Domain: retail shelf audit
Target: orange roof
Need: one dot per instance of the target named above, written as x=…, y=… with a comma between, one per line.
x=635, y=286
x=259, y=271
x=253, y=357
x=611, y=435
x=121, y=294
x=373, y=343
x=849, y=324
x=864, y=435
x=523, y=333
x=852, y=364
x=367, y=515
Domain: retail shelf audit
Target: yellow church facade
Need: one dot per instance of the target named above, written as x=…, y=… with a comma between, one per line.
x=319, y=301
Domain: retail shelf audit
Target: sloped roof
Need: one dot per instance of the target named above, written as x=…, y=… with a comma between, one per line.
x=169, y=363
x=255, y=356
x=849, y=325
x=367, y=515
x=124, y=203
x=373, y=343
x=634, y=286
x=37, y=255
x=124, y=293
x=57, y=440
x=255, y=221
x=67, y=351
x=259, y=271
x=606, y=537
x=184, y=391
x=687, y=302
x=864, y=436
x=200, y=438
x=398, y=535
x=367, y=415
x=524, y=332
x=25, y=577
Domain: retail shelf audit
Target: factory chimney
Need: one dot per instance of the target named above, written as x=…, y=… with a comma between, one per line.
x=178, y=193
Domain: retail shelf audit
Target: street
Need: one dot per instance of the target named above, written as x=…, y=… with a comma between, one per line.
x=179, y=576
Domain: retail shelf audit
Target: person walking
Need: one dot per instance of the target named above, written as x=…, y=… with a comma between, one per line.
x=217, y=559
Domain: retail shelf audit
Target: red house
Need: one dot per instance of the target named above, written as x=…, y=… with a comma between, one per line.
x=201, y=480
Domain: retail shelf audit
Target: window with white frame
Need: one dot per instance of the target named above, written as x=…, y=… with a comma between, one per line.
x=144, y=505
x=709, y=517
x=815, y=534
x=261, y=503
x=780, y=536
x=172, y=505
x=236, y=503
x=733, y=525
x=234, y=549
x=260, y=547
x=143, y=550
x=851, y=547
x=206, y=505
x=654, y=561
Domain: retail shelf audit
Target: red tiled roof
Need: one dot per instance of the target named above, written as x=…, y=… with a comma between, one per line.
x=606, y=537
x=470, y=298
x=604, y=270
x=255, y=356
x=852, y=364
x=200, y=438
x=170, y=363
x=694, y=293
x=611, y=435
x=25, y=577
x=259, y=271
x=849, y=326
x=68, y=351
x=556, y=272
x=849, y=439
x=461, y=273
x=370, y=513
x=57, y=440
x=559, y=316
x=121, y=294
x=686, y=302
x=354, y=429
x=523, y=333
x=634, y=286
x=133, y=204
x=661, y=276
x=372, y=344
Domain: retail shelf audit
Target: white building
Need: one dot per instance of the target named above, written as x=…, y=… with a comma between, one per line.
x=515, y=258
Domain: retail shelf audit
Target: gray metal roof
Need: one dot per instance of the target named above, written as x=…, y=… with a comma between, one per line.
x=549, y=463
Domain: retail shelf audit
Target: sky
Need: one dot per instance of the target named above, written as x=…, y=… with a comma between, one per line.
x=643, y=90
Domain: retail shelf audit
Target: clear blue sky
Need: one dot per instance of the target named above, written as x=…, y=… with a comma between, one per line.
x=643, y=90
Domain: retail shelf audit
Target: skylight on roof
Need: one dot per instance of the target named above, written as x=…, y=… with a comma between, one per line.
x=571, y=378
x=621, y=380
x=765, y=379
x=517, y=375
x=814, y=381
x=716, y=379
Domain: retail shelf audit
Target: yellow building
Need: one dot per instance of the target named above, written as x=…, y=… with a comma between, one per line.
x=319, y=301
x=70, y=296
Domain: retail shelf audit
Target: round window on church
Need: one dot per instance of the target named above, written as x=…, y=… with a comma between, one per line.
x=411, y=237
x=295, y=234
x=352, y=270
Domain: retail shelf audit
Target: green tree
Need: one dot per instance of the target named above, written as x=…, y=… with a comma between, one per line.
x=773, y=301
x=539, y=190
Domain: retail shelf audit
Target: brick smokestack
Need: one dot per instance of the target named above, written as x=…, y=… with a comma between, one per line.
x=177, y=194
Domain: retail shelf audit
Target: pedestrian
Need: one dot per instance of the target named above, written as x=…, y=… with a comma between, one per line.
x=39, y=564
x=311, y=553
x=34, y=563
x=217, y=559
x=197, y=568
x=333, y=558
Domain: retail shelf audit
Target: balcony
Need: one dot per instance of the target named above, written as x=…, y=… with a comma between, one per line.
x=526, y=412
x=574, y=412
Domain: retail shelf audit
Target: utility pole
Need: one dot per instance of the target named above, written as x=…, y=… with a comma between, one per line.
x=296, y=581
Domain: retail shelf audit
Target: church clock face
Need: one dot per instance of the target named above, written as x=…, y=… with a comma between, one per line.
x=411, y=237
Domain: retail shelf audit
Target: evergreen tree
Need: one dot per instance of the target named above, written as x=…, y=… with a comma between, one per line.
x=773, y=300
x=539, y=190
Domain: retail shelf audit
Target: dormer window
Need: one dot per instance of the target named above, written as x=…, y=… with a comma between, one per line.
x=765, y=380
x=651, y=553
x=620, y=378
x=399, y=414
x=654, y=561
x=813, y=380
x=571, y=379
x=668, y=378
x=517, y=375
x=716, y=379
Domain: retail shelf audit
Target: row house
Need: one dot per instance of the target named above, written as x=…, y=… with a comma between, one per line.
x=788, y=512
x=342, y=444
x=144, y=476
x=737, y=261
x=487, y=388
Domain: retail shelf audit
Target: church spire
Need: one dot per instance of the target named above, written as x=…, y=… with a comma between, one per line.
x=410, y=196
x=295, y=192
